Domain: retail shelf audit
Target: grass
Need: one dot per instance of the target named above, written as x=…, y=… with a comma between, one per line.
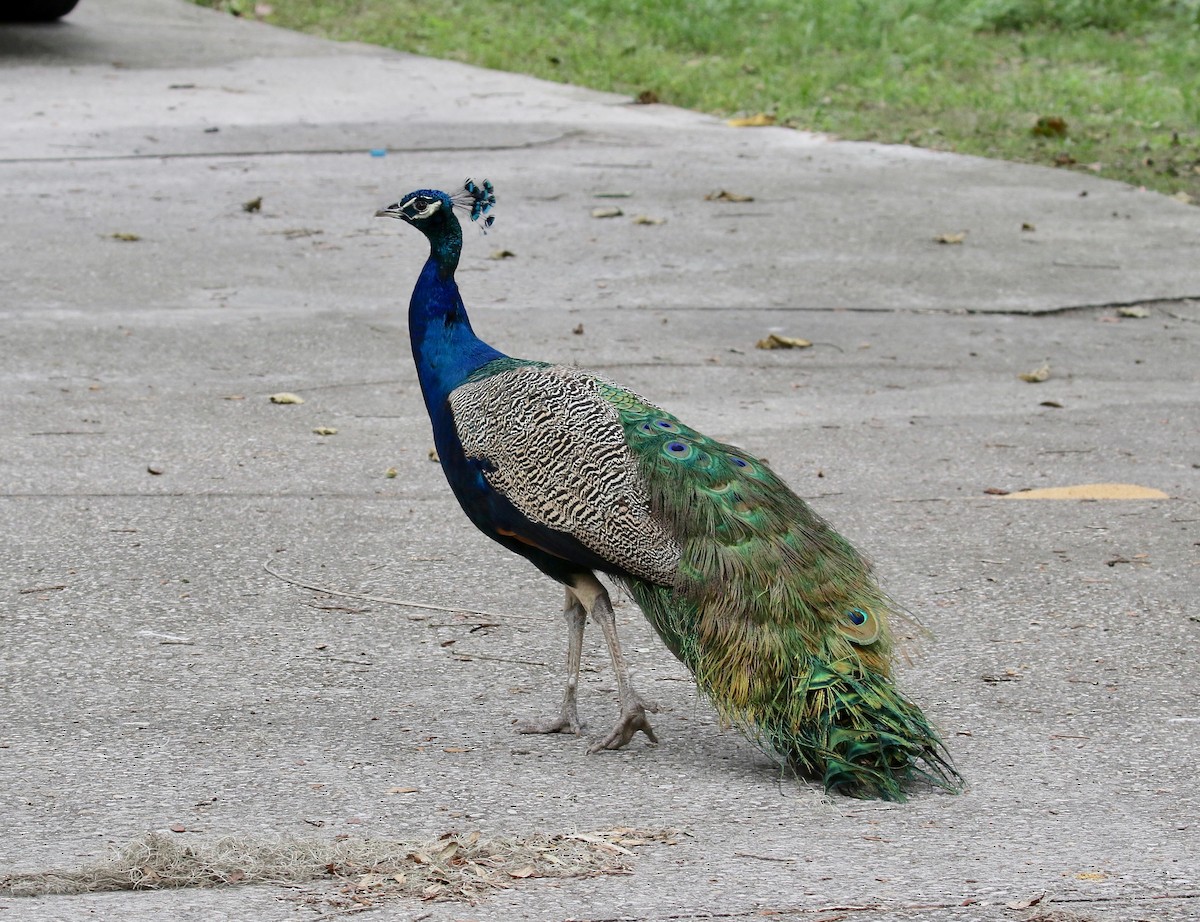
x=367, y=872
x=1112, y=86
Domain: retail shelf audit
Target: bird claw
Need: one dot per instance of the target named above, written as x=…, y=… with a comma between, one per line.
x=632, y=720
x=564, y=723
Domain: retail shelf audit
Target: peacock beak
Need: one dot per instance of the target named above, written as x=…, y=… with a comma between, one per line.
x=392, y=211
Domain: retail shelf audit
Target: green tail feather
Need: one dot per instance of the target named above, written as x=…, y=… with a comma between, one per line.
x=833, y=720
x=777, y=616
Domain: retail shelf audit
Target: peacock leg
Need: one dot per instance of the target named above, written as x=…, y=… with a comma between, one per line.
x=567, y=720
x=591, y=592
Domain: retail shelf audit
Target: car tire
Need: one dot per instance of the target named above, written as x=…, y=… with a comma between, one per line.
x=36, y=10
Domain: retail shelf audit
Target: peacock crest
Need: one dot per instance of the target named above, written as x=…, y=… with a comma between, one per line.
x=477, y=200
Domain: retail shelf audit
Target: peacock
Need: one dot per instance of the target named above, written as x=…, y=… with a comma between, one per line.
x=776, y=615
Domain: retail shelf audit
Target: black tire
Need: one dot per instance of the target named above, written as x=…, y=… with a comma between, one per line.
x=35, y=10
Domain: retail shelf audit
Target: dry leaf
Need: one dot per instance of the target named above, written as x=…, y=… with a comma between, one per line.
x=253, y=206
x=1184, y=197
x=126, y=238
x=1038, y=375
x=433, y=455
x=578, y=330
x=177, y=827
x=776, y=341
x=457, y=749
x=390, y=473
x=1092, y=491
x=1051, y=403
x=155, y=469
x=646, y=219
x=1091, y=875
x=610, y=211
x=612, y=195
x=1026, y=226
x=759, y=120
x=1137, y=313
x=284, y=397
x=522, y=873
x=403, y=790
x=646, y=98
x=324, y=430
x=726, y=196
x=1050, y=126
x=996, y=491
x=958, y=237
x=1027, y=902
x=502, y=254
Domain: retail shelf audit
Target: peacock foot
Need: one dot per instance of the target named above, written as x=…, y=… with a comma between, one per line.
x=633, y=718
x=566, y=722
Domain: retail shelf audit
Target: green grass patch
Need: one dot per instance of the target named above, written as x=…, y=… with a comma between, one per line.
x=1115, y=83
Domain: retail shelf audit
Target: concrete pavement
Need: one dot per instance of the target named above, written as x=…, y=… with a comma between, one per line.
x=156, y=675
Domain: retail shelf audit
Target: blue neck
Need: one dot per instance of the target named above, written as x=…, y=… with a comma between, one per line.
x=445, y=348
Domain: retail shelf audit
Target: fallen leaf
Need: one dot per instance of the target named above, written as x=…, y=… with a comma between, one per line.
x=776, y=341
x=578, y=330
x=758, y=120
x=646, y=219
x=726, y=196
x=609, y=211
x=1091, y=875
x=996, y=491
x=1038, y=375
x=390, y=473
x=1049, y=126
x=403, y=790
x=1050, y=403
x=1092, y=491
x=502, y=254
x=612, y=195
x=234, y=397
x=155, y=469
x=456, y=749
x=957, y=237
x=522, y=873
x=1064, y=159
x=253, y=206
x=177, y=827
x=1137, y=313
x=1026, y=226
x=1027, y=902
x=646, y=98
x=433, y=455
x=324, y=430
x=1184, y=197
x=285, y=398
x=126, y=238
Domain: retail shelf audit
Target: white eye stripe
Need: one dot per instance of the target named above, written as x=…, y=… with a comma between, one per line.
x=431, y=206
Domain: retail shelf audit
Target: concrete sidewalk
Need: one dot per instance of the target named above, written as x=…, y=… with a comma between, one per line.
x=156, y=675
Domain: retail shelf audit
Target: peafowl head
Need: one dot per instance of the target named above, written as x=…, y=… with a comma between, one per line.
x=432, y=212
